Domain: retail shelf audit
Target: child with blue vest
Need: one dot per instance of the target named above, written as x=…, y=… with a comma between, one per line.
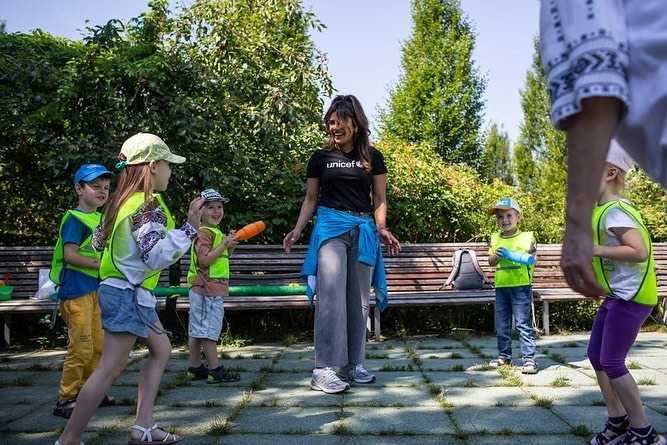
x=512, y=252
x=209, y=277
x=140, y=239
x=624, y=267
x=75, y=270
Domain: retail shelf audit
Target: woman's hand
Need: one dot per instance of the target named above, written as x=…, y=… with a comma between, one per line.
x=290, y=239
x=389, y=240
x=194, y=212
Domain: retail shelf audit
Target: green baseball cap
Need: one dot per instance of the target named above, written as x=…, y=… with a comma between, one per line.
x=505, y=203
x=146, y=147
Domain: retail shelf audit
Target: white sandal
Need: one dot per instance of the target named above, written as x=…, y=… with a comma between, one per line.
x=147, y=437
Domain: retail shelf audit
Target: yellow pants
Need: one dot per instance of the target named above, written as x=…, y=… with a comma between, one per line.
x=84, y=346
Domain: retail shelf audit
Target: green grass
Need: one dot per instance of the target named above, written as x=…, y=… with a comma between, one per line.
x=633, y=364
x=544, y=402
x=340, y=428
x=560, y=382
x=229, y=340
x=581, y=431
x=389, y=368
x=219, y=426
x=506, y=432
x=377, y=355
x=182, y=379
x=510, y=377
x=289, y=339
x=456, y=355
x=558, y=358
x=646, y=381
x=457, y=368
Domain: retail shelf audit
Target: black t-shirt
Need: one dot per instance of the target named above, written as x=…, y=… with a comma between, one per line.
x=344, y=184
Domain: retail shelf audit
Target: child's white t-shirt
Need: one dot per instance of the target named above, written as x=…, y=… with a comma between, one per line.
x=624, y=277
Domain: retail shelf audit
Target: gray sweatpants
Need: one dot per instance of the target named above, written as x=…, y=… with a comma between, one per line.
x=341, y=307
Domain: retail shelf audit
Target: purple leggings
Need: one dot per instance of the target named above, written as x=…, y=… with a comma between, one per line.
x=615, y=329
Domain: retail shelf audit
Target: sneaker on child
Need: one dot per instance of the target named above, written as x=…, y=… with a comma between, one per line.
x=500, y=361
x=198, y=373
x=529, y=366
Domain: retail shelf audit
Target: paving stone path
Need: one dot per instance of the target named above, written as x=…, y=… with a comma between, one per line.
x=428, y=390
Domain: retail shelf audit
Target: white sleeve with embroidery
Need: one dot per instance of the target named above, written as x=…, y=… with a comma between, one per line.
x=159, y=247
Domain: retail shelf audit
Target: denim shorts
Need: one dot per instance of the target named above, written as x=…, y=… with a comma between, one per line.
x=122, y=314
x=206, y=316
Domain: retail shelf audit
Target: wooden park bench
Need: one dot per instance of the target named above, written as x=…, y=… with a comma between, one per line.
x=415, y=278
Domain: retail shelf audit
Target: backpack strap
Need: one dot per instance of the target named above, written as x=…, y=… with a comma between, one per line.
x=456, y=264
x=478, y=268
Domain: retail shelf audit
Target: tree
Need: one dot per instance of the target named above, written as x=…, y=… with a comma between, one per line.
x=438, y=99
x=523, y=166
x=540, y=152
x=496, y=159
x=233, y=87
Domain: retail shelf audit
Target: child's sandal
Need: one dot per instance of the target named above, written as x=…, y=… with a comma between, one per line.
x=147, y=437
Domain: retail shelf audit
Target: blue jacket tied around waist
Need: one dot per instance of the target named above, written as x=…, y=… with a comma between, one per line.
x=332, y=223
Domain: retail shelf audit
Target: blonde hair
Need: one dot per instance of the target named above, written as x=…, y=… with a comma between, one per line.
x=132, y=179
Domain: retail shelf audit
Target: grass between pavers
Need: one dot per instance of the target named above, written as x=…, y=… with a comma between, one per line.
x=560, y=382
x=464, y=340
x=438, y=392
x=510, y=376
x=544, y=402
x=646, y=381
x=633, y=364
x=220, y=425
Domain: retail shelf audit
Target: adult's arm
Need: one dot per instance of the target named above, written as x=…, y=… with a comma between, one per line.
x=380, y=214
x=307, y=209
x=589, y=134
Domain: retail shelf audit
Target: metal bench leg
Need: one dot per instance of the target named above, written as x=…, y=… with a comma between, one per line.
x=5, y=329
x=376, y=323
x=545, y=317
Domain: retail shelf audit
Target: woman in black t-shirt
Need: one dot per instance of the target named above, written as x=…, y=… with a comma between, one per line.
x=347, y=185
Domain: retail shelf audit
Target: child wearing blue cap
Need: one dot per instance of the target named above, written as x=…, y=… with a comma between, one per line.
x=512, y=252
x=75, y=270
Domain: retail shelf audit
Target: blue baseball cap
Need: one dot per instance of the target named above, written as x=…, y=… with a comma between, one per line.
x=90, y=172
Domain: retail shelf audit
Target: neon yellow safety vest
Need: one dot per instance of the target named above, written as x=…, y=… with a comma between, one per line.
x=219, y=269
x=508, y=272
x=647, y=292
x=108, y=268
x=91, y=221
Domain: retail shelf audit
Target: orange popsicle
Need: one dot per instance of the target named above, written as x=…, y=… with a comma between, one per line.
x=250, y=230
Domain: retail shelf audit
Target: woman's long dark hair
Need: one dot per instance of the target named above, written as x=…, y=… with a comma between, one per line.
x=348, y=107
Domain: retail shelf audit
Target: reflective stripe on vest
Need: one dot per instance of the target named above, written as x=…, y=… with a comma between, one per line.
x=219, y=269
x=108, y=268
x=91, y=221
x=647, y=291
x=508, y=273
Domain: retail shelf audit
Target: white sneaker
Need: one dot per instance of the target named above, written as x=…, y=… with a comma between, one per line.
x=359, y=374
x=326, y=380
